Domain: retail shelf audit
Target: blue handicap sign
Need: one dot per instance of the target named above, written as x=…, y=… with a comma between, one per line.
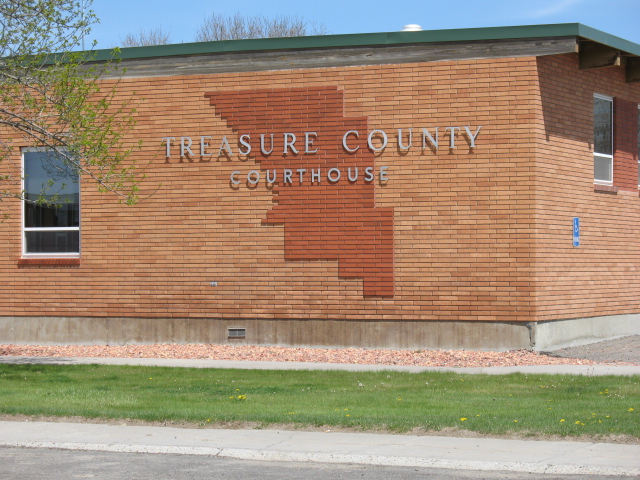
x=576, y=231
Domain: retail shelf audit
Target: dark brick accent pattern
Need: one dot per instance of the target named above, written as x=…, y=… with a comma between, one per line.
x=625, y=144
x=322, y=220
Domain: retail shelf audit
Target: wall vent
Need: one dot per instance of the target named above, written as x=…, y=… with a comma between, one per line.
x=237, y=332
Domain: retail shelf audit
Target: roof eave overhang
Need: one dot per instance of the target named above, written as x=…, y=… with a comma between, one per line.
x=597, y=49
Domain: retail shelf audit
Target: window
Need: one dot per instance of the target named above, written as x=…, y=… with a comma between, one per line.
x=603, y=139
x=51, y=216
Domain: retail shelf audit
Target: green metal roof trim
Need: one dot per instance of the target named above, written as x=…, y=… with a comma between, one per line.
x=374, y=39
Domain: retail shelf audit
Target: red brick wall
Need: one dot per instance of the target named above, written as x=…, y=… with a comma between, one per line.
x=478, y=233
x=600, y=277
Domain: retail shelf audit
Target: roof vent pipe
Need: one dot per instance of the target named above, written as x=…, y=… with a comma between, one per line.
x=412, y=28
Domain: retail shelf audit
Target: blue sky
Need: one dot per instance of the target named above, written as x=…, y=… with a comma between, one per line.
x=181, y=18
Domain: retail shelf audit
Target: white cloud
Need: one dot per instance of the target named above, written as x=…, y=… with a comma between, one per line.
x=557, y=8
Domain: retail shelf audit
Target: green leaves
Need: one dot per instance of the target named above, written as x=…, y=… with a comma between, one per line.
x=43, y=27
x=52, y=96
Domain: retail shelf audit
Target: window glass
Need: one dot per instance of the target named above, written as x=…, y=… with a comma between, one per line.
x=52, y=241
x=51, y=205
x=602, y=126
x=602, y=169
x=603, y=139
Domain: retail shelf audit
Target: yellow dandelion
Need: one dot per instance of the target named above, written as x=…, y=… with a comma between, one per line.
x=463, y=419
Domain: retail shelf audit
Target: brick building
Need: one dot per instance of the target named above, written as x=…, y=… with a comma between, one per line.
x=456, y=189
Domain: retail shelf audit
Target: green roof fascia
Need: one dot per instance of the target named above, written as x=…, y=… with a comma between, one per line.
x=608, y=39
x=371, y=40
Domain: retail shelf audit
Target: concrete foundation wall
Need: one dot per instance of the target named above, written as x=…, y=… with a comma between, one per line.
x=582, y=331
x=374, y=334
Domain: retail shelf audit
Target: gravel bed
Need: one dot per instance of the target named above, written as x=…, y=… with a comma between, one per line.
x=423, y=358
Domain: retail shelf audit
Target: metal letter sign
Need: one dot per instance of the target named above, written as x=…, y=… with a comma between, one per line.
x=576, y=231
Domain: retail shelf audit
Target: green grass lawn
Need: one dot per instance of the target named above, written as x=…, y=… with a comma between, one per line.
x=390, y=401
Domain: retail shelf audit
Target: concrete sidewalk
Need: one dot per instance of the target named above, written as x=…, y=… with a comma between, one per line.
x=480, y=454
x=589, y=370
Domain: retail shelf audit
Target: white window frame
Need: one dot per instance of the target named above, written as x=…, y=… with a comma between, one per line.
x=604, y=155
x=26, y=229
